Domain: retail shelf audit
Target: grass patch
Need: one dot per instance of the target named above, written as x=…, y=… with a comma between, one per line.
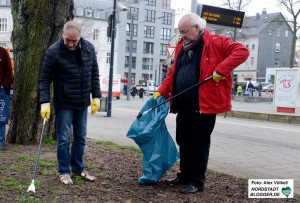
x=49, y=141
x=52, y=183
x=24, y=157
x=46, y=173
x=102, y=174
x=45, y=164
x=28, y=200
x=113, y=146
x=78, y=180
x=16, y=168
x=13, y=184
x=91, y=166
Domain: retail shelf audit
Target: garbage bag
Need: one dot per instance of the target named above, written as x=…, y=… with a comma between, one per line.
x=150, y=133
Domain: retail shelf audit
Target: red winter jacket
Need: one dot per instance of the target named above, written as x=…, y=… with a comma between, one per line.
x=219, y=54
x=6, y=74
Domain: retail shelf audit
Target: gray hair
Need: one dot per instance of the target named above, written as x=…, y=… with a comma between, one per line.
x=196, y=20
x=72, y=25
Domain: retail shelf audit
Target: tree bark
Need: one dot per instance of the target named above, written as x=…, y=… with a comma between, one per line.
x=37, y=24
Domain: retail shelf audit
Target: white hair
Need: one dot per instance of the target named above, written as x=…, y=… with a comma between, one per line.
x=197, y=20
x=72, y=25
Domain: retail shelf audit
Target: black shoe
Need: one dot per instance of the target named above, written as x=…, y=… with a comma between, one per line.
x=191, y=189
x=176, y=181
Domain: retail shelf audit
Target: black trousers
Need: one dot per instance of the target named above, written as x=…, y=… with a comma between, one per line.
x=193, y=132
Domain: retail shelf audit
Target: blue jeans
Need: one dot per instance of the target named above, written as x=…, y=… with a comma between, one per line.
x=65, y=119
x=2, y=134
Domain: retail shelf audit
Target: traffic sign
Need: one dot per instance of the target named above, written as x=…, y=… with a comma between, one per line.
x=170, y=50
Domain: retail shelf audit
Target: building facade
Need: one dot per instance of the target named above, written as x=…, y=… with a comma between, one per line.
x=268, y=38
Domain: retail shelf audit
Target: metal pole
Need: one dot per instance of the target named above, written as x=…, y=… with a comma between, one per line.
x=111, y=69
x=130, y=57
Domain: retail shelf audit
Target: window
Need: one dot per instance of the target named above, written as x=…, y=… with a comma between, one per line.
x=145, y=76
x=252, y=61
x=147, y=63
x=79, y=11
x=134, y=45
x=166, y=3
x=4, y=3
x=278, y=32
x=253, y=46
x=132, y=77
x=97, y=13
x=88, y=12
x=150, y=2
x=133, y=62
x=107, y=57
x=270, y=32
x=165, y=33
x=277, y=47
x=148, y=47
x=2, y=44
x=96, y=34
x=133, y=10
x=128, y=30
x=276, y=62
x=166, y=18
x=246, y=62
x=286, y=33
x=163, y=49
x=149, y=31
x=3, y=24
x=247, y=46
x=150, y=16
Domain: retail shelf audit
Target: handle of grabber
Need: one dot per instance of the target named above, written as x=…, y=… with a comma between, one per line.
x=199, y=83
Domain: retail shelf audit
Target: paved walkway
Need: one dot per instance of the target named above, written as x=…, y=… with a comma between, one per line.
x=124, y=113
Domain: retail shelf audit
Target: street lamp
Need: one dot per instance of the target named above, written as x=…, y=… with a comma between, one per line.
x=130, y=56
x=112, y=22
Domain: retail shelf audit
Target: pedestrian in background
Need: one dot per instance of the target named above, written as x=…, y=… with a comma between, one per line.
x=250, y=89
x=239, y=90
x=259, y=88
x=133, y=91
x=6, y=80
x=198, y=55
x=71, y=65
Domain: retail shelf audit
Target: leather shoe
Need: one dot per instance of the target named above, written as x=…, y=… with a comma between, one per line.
x=176, y=181
x=191, y=189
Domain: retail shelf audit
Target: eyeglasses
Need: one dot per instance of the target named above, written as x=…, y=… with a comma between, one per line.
x=184, y=32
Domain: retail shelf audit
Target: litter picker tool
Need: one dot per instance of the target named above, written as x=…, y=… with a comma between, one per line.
x=31, y=188
x=199, y=83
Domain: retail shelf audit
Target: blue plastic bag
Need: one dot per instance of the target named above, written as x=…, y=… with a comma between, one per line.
x=151, y=135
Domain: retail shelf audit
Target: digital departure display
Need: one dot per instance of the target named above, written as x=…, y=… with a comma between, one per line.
x=222, y=16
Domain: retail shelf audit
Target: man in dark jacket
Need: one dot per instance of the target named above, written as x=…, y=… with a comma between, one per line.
x=198, y=55
x=6, y=79
x=71, y=65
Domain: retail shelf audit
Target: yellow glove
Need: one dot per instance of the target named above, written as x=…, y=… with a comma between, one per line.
x=95, y=105
x=217, y=77
x=45, y=110
x=156, y=95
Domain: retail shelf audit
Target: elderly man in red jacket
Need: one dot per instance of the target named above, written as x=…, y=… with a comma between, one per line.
x=198, y=55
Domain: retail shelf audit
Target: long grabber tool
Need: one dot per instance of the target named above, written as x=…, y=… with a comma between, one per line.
x=199, y=83
x=31, y=188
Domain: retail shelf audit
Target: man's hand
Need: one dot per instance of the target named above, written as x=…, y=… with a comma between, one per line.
x=45, y=110
x=217, y=77
x=156, y=95
x=95, y=105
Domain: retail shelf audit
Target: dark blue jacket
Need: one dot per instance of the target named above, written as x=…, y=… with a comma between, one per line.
x=73, y=80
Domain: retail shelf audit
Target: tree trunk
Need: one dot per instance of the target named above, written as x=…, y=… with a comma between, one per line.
x=292, y=56
x=37, y=24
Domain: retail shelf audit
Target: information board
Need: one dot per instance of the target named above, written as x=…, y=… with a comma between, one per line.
x=221, y=16
x=287, y=87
